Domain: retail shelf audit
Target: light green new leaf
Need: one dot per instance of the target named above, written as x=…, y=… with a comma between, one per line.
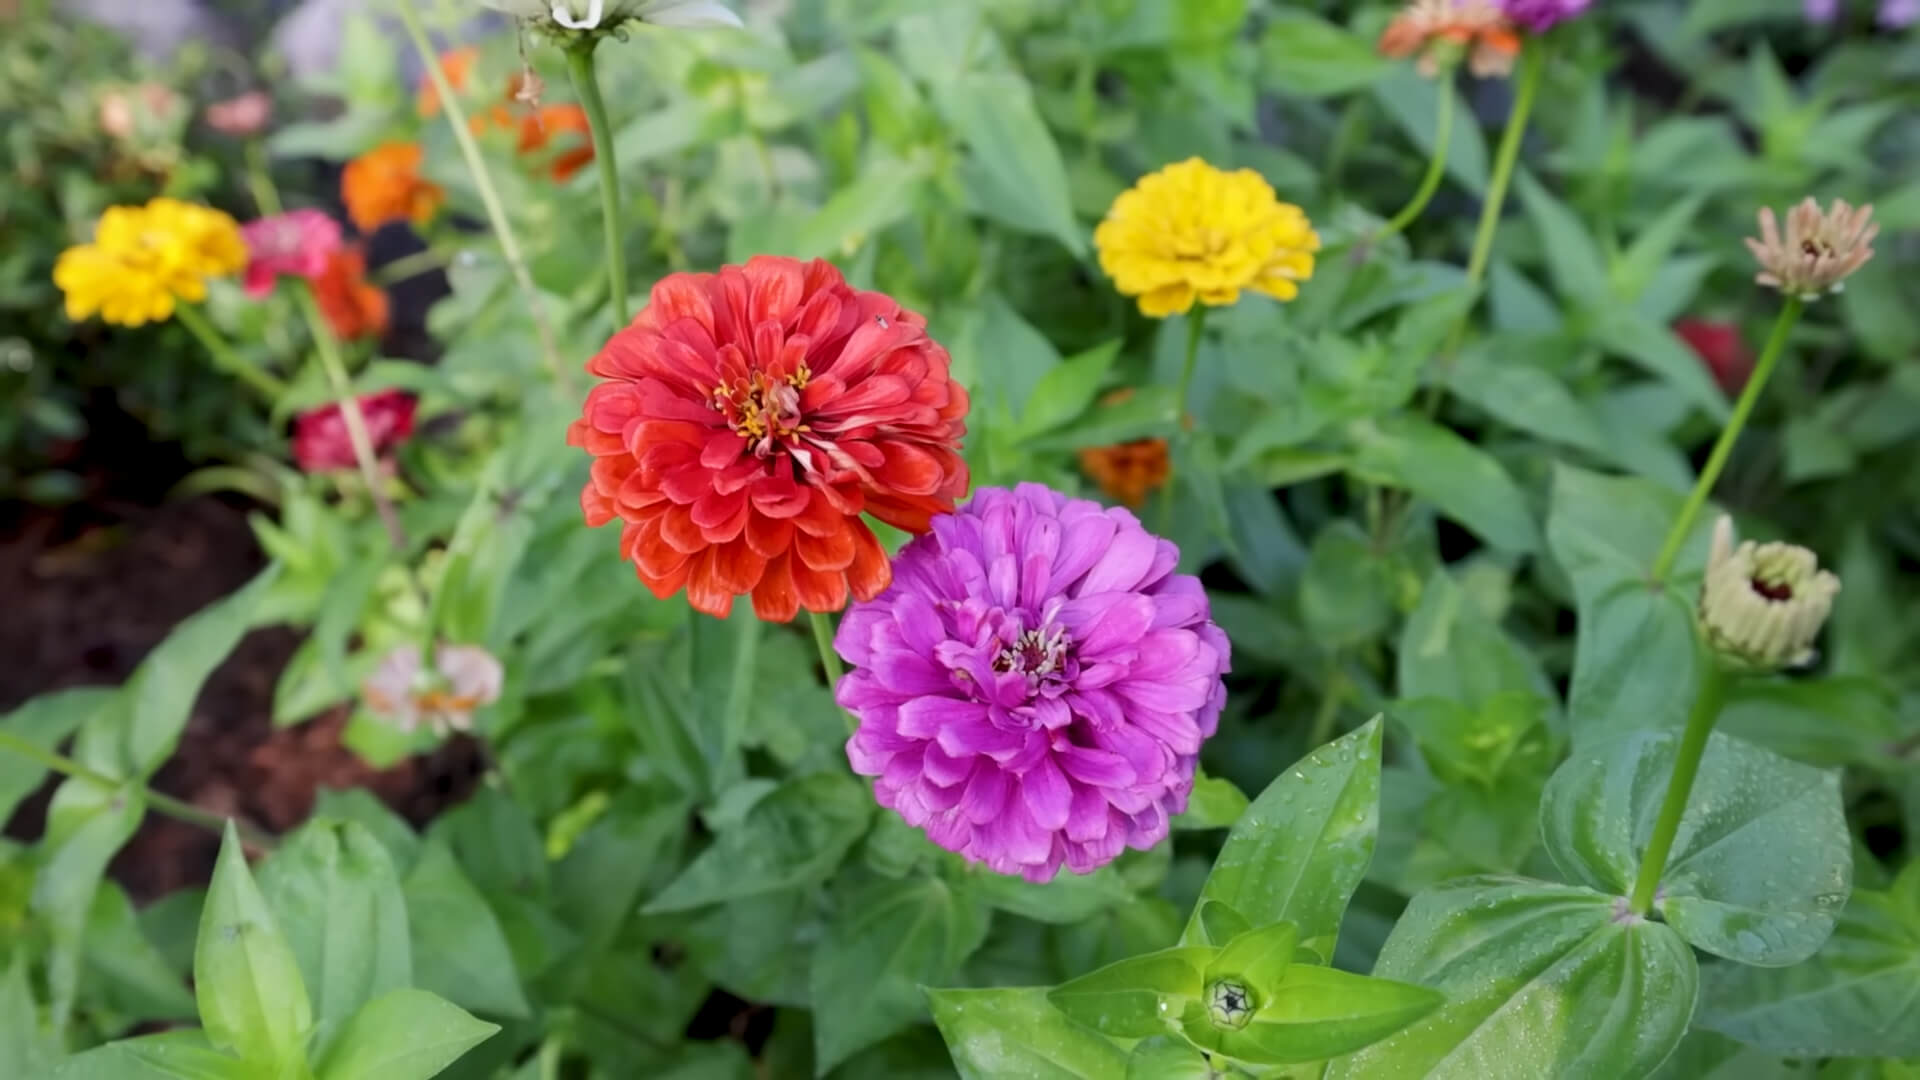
x=1214, y=804
x=172, y=1055
x=159, y=697
x=1467, y=484
x=1016, y=175
x=43, y=721
x=459, y=950
x=1316, y=1013
x=25, y=1048
x=1303, y=846
x=1065, y=392
x=333, y=890
x=1540, y=980
x=795, y=836
x=1014, y=1034
x=1138, y=996
x=888, y=940
x=1164, y=1057
x=252, y=999
x=124, y=967
x=1760, y=867
x=1573, y=258
x=1450, y=649
x=86, y=825
x=403, y=1035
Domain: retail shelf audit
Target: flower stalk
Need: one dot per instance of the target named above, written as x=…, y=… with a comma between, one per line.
x=1686, y=767
x=350, y=411
x=829, y=660
x=1436, y=165
x=223, y=355
x=1723, y=448
x=586, y=83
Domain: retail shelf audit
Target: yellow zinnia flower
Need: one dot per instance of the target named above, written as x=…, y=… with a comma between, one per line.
x=145, y=259
x=1191, y=231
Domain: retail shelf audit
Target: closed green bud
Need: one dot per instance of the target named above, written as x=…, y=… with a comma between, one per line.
x=1762, y=605
x=1230, y=1004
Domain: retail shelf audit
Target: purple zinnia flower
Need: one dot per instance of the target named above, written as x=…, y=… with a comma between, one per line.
x=1034, y=687
x=1540, y=16
x=1893, y=15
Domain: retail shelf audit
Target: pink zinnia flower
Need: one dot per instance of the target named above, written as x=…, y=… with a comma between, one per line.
x=1540, y=16
x=297, y=242
x=1033, y=688
x=320, y=440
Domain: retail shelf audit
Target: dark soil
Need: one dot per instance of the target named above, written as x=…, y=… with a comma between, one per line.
x=91, y=587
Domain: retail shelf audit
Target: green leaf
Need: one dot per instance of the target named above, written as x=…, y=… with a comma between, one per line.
x=86, y=825
x=252, y=1000
x=25, y=1048
x=1573, y=258
x=403, y=1035
x=1303, y=54
x=1859, y=996
x=333, y=891
x=1164, y=1057
x=1315, y=1013
x=125, y=968
x=1348, y=592
x=1068, y=898
x=1829, y=722
x=1467, y=484
x=1410, y=98
x=1258, y=958
x=1016, y=175
x=1214, y=804
x=173, y=1055
x=1220, y=924
x=888, y=939
x=44, y=721
x=1013, y=1034
x=884, y=192
x=1450, y=649
x=159, y=697
x=1135, y=997
x=459, y=950
x=361, y=806
x=1540, y=980
x=795, y=836
x=1657, y=351
x=1760, y=867
x=1065, y=392
x=1303, y=846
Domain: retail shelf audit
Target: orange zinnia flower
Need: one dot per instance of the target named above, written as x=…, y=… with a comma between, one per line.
x=750, y=417
x=353, y=308
x=457, y=64
x=384, y=184
x=1441, y=30
x=538, y=127
x=1128, y=471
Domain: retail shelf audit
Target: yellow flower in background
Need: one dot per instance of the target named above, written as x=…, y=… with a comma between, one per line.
x=146, y=259
x=1191, y=231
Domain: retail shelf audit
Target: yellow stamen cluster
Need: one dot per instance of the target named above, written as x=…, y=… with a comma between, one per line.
x=145, y=259
x=1194, y=232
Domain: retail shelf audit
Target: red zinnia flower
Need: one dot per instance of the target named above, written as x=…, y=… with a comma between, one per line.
x=750, y=417
x=320, y=440
x=353, y=308
x=1720, y=347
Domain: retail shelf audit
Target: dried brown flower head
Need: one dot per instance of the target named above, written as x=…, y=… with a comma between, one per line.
x=1819, y=251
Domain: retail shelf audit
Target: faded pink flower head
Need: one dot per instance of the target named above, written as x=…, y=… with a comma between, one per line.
x=1034, y=687
x=297, y=243
x=243, y=115
x=405, y=694
x=1819, y=250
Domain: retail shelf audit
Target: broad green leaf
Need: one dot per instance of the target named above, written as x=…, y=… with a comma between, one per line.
x=884, y=192
x=1303, y=846
x=1214, y=804
x=1656, y=350
x=1316, y=1013
x=1495, y=375
x=25, y=1047
x=1450, y=649
x=760, y=948
x=1410, y=98
x=1068, y=898
x=1540, y=980
x=1466, y=483
x=1639, y=266
x=1859, y=996
x=1478, y=745
x=252, y=999
x=173, y=1055
x=795, y=836
x=1349, y=589
x=1014, y=1034
x=497, y=843
x=43, y=721
x=1259, y=958
x=403, y=1035
x=159, y=697
x=887, y=941
x=333, y=891
x=1164, y=1057
x=125, y=968
x=1823, y=721
x=1065, y=392
x=363, y=807
x=1573, y=257
x=1135, y=997
x=1220, y=924
x=459, y=950
x=1016, y=175
x=1707, y=1055
x=1760, y=867
x=86, y=825
x=1302, y=54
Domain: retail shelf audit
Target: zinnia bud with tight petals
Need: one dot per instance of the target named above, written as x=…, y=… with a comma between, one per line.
x=749, y=418
x=1034, y=688
x=297, y=243
x=405, y=694
x=321, y=441
x=1762, y=605
x=1819, y=251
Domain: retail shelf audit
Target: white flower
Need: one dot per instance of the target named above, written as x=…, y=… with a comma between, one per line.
x=595, y=14
x=1762, y=605
x=464, y=678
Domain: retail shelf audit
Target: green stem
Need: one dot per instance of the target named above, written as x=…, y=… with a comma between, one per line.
x=746, y=650
x=407, y=266
x=223, y=355
x=1723, y=448
x=165, y=804
x=489, y=196
x=260, y=180
x=357, y=433
x=823, y=641
x=1436, y=166
x=1196, y=327
x=1686, y=765
x=587, y=85
x=1329, y=711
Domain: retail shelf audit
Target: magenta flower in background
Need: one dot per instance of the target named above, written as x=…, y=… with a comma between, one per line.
x=1893, y=14
x=1540, y=16
x=297, y=242
x=1033, y=688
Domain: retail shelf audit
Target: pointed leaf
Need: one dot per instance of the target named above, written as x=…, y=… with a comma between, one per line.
x=1013, y=1034
x=459, y=950
x=795, y=836
x=1462, y=480
x=1316, y=1013
x=403, y=1035
x=252, y=999
x=1135, y=997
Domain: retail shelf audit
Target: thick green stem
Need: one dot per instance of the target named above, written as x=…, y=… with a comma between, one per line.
x=1436, y=166
x=1686, y=765
x=1196, y=328
x=829, y=660
x=586, y=83
x=489, y=195
x=165, y=804
x=1723, y=448
x=223, y=355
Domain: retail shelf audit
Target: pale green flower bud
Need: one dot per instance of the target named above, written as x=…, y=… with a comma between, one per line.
x=1762, y=605
x=591, y=15
x=1230, y=1004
